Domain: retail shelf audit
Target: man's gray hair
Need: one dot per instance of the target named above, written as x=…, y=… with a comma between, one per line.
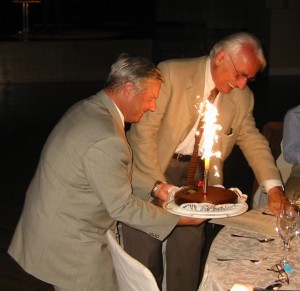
x=235, y=42
x=135, y=69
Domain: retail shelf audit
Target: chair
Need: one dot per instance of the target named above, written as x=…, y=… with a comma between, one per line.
x=131, y=274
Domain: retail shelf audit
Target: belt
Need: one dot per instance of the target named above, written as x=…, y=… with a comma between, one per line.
x=181, y=157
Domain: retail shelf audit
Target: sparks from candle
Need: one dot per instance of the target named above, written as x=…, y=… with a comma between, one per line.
x=210, y=128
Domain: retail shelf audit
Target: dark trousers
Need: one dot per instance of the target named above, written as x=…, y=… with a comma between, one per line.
x=184, y=246
x=183, y=255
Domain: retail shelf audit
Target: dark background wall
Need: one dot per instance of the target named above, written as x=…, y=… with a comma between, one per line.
x=67, y=56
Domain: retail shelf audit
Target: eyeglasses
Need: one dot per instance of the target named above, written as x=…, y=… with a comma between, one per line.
x=282, y=275
x=239, y=75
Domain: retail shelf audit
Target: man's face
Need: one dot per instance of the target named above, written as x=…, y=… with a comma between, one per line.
x=138, y=103
x=234, y=71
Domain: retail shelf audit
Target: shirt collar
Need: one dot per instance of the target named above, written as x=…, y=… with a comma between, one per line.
x=120, y=113
x=209, y=83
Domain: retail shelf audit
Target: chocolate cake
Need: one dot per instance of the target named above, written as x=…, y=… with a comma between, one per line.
x=214, y=195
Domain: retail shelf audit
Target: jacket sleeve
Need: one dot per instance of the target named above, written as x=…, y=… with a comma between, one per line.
x=253, y=144
x=107, y=164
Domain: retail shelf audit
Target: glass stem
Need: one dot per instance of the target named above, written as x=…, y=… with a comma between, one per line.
x=285, y=248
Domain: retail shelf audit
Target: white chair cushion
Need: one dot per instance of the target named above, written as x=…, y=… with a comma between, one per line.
x=131, y=274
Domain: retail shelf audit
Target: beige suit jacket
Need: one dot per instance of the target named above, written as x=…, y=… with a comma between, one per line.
x=81, y=187
x=156, y=137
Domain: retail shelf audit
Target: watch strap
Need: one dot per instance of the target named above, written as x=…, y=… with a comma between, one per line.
x=155, y=187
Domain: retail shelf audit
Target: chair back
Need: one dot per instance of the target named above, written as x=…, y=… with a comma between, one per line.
x=131, y=274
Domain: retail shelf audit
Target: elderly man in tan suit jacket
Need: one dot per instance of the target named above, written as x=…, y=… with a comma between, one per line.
x=162, y=143
x=83, y=185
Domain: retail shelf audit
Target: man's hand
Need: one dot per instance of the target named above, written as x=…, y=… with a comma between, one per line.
x=276, y=197
x=162, y=191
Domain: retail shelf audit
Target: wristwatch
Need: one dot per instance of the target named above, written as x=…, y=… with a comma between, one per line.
x=154, y=189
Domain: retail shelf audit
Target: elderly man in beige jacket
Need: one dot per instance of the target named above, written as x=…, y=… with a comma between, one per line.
x=83, y=185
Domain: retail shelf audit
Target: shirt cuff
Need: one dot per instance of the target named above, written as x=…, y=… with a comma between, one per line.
x=269, y=184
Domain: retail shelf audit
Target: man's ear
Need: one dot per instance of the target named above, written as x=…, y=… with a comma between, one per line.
x=220, y=57
x=128, y=88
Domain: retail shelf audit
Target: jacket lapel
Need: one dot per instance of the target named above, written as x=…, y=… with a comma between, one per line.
x=227, y=111
x=195, y=91
x=102, y=98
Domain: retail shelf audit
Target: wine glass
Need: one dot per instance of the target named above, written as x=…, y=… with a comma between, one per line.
x=297, y=230
x=285, y=227
x=295, y=200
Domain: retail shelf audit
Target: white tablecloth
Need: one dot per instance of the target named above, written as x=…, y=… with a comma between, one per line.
x=220, y=276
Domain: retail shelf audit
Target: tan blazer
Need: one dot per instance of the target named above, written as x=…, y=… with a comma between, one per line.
x=156, y=137
x=81, y=187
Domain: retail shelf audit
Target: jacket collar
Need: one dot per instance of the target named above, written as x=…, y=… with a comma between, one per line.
x=101, y=98
x=195, y=88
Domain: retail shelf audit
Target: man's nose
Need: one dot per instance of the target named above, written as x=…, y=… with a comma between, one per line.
x=242, y=83
x=152, y=106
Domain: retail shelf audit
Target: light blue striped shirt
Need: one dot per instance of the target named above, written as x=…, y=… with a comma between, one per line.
x=291, y=136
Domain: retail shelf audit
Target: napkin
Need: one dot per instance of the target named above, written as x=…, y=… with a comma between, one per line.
x=171, y=191
x=241, y=197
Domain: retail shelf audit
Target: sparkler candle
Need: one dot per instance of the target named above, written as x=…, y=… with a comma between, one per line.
x=206, y=170
x=210, y=114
